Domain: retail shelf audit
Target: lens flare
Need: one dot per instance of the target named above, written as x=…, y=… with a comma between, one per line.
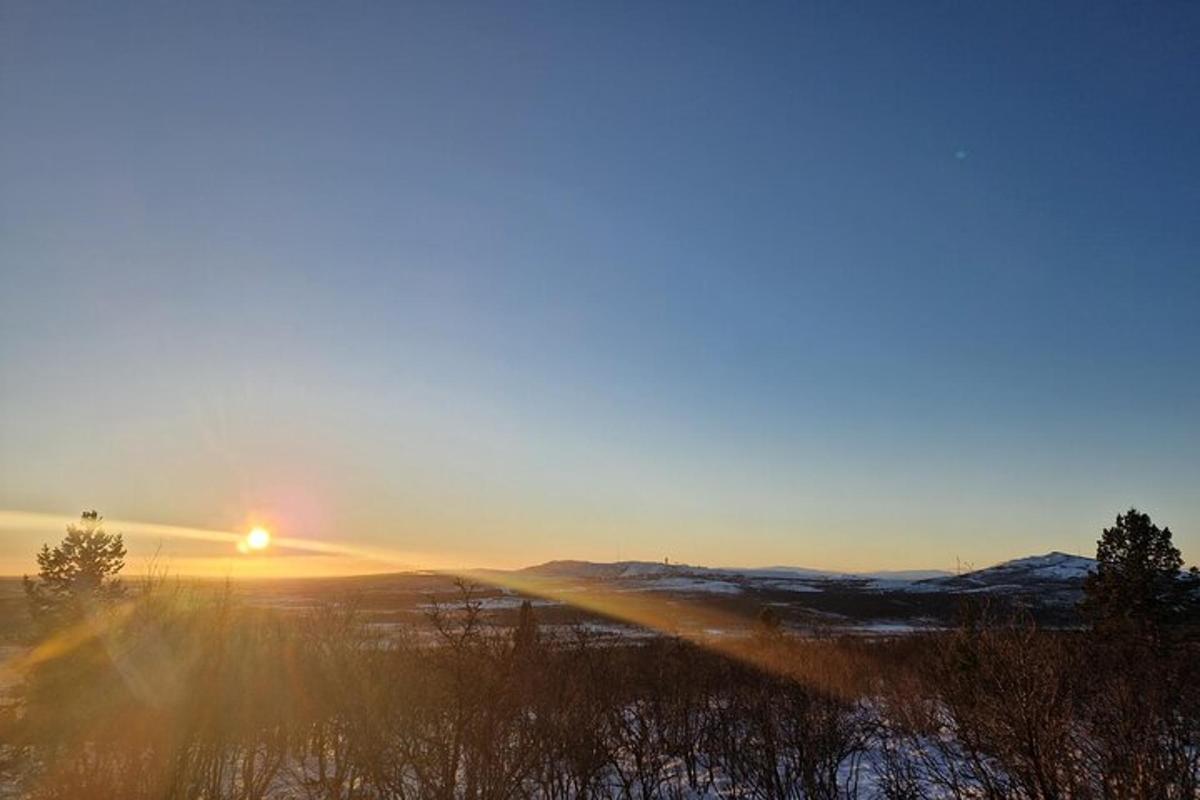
x=692, y=621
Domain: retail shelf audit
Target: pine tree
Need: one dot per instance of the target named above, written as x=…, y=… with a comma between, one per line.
x=77, y=573
x=1136, y=587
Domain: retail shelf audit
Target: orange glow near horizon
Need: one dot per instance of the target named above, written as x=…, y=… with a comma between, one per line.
x=717, y=630
x=289, y=556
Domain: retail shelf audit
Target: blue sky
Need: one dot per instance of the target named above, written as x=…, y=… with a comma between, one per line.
x=842, y=285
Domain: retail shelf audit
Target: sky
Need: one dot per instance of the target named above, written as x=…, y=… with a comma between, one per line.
x=835, y=285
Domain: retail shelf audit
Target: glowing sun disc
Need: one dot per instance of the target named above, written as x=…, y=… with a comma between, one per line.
x=258, y=539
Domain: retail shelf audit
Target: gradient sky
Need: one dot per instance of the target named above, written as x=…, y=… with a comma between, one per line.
x=841, y=285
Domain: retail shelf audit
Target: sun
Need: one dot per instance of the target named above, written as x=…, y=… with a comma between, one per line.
x=258, y=539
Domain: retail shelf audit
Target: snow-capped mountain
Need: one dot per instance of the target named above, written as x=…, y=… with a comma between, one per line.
x=1054, y=570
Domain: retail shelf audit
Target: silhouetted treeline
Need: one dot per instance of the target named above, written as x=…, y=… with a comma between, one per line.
x=175, y=694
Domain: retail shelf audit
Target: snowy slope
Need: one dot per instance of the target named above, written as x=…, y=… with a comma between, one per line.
x=1054, y=572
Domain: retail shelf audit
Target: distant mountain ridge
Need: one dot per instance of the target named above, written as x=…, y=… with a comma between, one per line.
x=1053, y=580
x=570, y=568
x=1054, y=567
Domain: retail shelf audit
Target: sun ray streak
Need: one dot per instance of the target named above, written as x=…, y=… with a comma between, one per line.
x=712, y=628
